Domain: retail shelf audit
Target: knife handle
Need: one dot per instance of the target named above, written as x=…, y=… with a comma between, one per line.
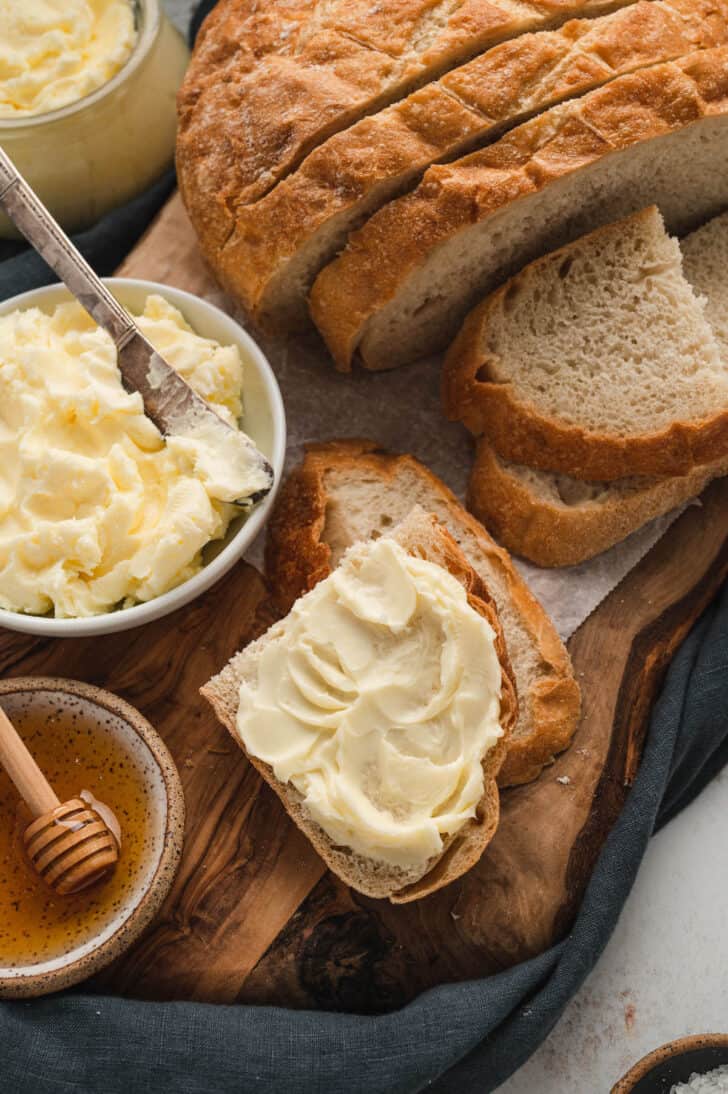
x=30, y=216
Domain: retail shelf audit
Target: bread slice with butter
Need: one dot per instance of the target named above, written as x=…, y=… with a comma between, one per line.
x=348, y=491
x=241, y=697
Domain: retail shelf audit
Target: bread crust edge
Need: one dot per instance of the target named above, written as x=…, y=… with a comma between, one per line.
x=520, y=433
x=400, y=239
x=552, y=535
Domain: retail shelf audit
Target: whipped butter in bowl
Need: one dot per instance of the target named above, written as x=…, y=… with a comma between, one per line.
x=87, y=100
x=103, y=522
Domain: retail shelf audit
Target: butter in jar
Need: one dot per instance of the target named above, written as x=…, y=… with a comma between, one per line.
x=55, y=52
x=87, y=101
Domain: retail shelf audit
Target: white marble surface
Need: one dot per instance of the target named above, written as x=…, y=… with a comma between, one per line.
x=664, y=973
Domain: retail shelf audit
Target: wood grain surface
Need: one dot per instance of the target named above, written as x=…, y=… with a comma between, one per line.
x=253, y=914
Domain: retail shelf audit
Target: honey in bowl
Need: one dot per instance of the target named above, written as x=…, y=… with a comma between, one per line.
x=79, y=747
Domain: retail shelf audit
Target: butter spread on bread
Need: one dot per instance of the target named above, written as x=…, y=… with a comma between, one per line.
x=350, y=491
x=377, y=698
x=421, y=535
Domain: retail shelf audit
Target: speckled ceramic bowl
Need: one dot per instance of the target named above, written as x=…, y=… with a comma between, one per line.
x=162, y=842
x=674, y=1063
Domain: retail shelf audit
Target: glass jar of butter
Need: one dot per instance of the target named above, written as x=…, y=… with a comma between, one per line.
x=105, y=148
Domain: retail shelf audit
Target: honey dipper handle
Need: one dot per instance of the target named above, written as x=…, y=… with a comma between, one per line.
x=30, y=781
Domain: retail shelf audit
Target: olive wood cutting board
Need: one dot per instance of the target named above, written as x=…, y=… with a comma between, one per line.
x=254, y=915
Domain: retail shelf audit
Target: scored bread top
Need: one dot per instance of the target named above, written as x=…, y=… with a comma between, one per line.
x=348, y=491
x=596, y=360
x=409, y=276
x=269, y=81
x=423, y=536
x=280, y=242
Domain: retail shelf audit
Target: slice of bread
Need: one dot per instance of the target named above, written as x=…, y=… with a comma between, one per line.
x=403, y=285
x=596, y=361
x=281, y=242
x=349, y=491
x=705, y=262
x=555, y=520
x=272, y=79
x=420, y=535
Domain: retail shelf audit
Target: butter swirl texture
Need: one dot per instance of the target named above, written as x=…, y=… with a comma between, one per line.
x=55, y=52
x=377, y=698
x=96, y=509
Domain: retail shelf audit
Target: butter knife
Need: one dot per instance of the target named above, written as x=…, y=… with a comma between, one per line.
x=168, y=399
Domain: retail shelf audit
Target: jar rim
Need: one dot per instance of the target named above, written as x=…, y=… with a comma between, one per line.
x=148, y=16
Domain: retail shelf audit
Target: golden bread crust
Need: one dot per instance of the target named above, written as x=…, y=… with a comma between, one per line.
x=354, y=172
x=403, y=237
x=551, y=533
x=519, y=432
x=270, y=81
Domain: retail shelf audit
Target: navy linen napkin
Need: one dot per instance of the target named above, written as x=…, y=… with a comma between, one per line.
x=463, y=1037
x=104, y=245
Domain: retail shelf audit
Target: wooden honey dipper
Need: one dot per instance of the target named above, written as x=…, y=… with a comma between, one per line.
x=69, y=844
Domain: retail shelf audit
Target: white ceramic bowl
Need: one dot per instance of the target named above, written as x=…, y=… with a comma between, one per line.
x=264, y=421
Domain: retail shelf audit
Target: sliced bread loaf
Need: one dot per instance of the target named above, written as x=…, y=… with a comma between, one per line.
x=408, y=277
x=596, y=360
x=281, y=242
x=555, y=520
x=350, y=491
x=422, y=536
x=271, y=80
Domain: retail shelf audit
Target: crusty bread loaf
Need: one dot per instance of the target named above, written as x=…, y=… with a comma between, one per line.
x=421, y=535
x=409, y=276
x=280, y=243
x=348, y=491
x=556, y=520
x=269, y=81
x=596, y=360
x=705, y=262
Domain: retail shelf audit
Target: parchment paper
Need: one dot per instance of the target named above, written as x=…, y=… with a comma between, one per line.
x=401, y=411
